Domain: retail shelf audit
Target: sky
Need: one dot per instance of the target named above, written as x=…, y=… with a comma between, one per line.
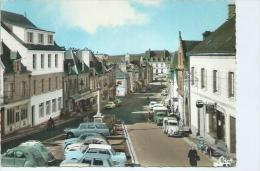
x=123, y=26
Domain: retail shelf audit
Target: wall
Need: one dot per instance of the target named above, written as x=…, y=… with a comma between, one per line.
x=225, y=104
x=19, y=32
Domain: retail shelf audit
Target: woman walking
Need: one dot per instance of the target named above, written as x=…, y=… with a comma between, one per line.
x=193, y=156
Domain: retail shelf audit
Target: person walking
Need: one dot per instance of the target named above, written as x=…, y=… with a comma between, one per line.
x=193, y=156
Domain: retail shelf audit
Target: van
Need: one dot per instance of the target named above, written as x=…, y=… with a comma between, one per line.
x=158, y=114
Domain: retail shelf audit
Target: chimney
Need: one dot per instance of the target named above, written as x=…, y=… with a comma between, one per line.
x=206, y=34
x=231, y=10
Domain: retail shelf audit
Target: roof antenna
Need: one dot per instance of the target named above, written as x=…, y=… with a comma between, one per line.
x=25, y=15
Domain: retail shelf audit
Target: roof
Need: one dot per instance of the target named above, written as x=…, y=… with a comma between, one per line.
x=101, y=146
x=174, y=60
x=222, y=40
x=8, y=58
x=18, y=20
x=121, y=74
x=188, y=45
x=54, y=47
x=157, y=53
x=116, y=59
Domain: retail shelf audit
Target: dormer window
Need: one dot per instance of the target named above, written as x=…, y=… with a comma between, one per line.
x=50, y=39
x=30, y=37
x=40, y=38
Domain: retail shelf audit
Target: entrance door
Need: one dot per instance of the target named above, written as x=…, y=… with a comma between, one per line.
x=220, y=126
x=33, y=113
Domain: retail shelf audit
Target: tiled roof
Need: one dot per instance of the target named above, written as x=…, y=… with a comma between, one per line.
x=174, y=60
x=18, y=20
x=223, y=40
x=188, y=45
x=157, y=53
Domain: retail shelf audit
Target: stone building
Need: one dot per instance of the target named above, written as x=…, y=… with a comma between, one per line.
x=16, y=94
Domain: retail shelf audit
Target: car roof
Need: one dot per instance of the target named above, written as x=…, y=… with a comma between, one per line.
x=100, y=146
x=31, y=143
x=97, y=155
x=160, y=108
x=91, y=123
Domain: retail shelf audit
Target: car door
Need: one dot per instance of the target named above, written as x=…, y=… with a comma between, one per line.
x=91, y=128
x=19, y=158
x=83, y=128
x=97, y=162
x=8, y=159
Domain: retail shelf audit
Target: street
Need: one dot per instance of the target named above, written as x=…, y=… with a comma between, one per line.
x=152, y=147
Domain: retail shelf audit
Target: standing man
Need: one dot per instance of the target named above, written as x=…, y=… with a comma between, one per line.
x=193, y=156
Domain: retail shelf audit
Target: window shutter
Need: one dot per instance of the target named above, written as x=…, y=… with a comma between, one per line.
x=229, y=84
x=205, y=78
x=219, y=82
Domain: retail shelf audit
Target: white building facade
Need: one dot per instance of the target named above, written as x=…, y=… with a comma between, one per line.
x=43, y=57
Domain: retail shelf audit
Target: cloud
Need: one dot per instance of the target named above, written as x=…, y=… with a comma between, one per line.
x=93, y=14
x=149, y=2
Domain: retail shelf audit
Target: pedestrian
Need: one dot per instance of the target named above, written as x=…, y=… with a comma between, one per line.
x=51, y=123
x=209, y=151
x=193, y=156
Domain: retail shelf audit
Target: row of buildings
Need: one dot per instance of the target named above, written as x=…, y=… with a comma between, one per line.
x=203, y=79
x=39, y=79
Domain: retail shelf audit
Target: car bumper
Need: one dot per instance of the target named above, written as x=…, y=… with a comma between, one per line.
x=175, y=134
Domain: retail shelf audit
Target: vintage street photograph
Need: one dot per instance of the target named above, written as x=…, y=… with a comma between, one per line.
x=118, y=83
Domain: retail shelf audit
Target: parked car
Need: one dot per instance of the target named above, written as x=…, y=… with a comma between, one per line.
x=118, y=101
x=83, y=145
x=171, y=127
x=110, y=105
x=23, y=156
x=118, y=158
x=81, y=138
x=88, y=127
x=88, y=160
x=48, y=156
x=151, y=104
x=159, y=113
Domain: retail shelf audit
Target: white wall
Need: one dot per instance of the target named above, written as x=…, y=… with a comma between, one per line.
x=46, y=69
x=19, y=32
x=1, y=83
x=43, y=98
x=85, y=56
x=35, y=36
x=225, y=104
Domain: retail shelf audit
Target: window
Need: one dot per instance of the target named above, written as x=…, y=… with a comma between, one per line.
x=192, y=75
x=40, y=38
x=23, y=113
x=34, y=86
x=215, y=81
x=50, y=39
x=17, y=117
x=53, y=105
x=23, y=85
x=42, y=85
x=48, y=107
x=34, y=61
x=202, y=77
x=42, y=60
x=49, y=84
x=10, y=116
x=231, y=90
x=56, y=82
x=49, y=60
x=10, y=90
x=30, y=37
x=41, y=110
x=91, y=126
x=59, y=103
x=87, y=161
x=56, y=60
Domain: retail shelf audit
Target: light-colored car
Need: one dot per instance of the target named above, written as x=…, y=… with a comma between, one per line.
x=46, y=154
x=110, y=105
x=83, y=145
x=81, y=138
x=151, y=104
x=118, y=158
x=88, y=127
x=88, y=160
x=171, y=127
x=23, y=156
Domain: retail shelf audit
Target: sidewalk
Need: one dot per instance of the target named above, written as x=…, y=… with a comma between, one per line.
x=193, y=142
x=37, y=128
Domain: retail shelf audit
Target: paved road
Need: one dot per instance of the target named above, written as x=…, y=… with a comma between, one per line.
x=152, y=147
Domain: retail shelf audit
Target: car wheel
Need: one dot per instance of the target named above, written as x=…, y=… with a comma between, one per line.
x=70, y=135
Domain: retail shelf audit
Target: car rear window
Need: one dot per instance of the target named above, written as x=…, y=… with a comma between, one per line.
x=101, y=126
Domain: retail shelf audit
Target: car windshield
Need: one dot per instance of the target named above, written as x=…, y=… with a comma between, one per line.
x=101, y=126
x=161, y=114
x=172, y=123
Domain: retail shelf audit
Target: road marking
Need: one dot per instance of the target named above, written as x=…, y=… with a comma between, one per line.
x=130, y=145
